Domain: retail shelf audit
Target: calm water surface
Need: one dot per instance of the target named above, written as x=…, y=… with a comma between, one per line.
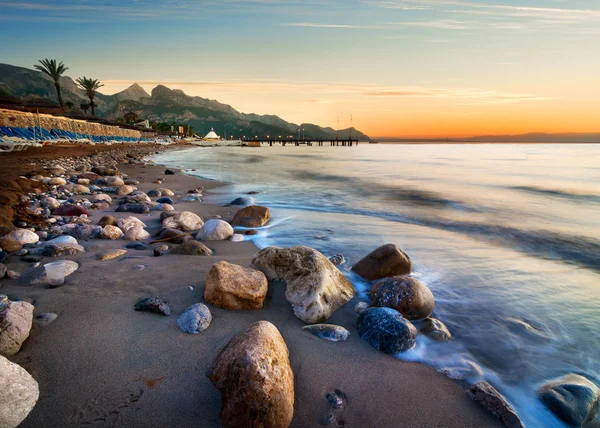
x=506, y=236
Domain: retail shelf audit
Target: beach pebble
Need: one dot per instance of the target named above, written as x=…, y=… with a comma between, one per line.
x=337, y=259
x=195, y=319
x=331, y=332
x=125, y=190
x=101, y=197
x=486, y=395
x=215, y=230
x=192, y=248
x=174, y=236
x=111, y=232
x=55, y=170
x=163, y=207
x=386, y=330
x=185, y=220
x=136, y=233
x=22, y=252
x=111, y=254
x=169, y=172
x=574, y=399
x=127, y=223
x=387, y=260
x=85, y=232
x=63, y=239
x=235, y=287
x=114, y=181
x=166, y=214
x=165, y=200
x=252, y=216
x=57, y=181
x=137, y=197
x=243, y=201
x=10, y=245
x=42, y=320
x=236, y=237
x=406, y=294
x=50, y=203
x=38, y=276
x=19, y=393
x=59, y=250
x=190, y=198
x=166, y=192
x=265, y=397
x=83, y=181
x=70, y=210
x=435, y=329
x=15, y=324
x=155, y=193
x=315, y=287
x=133, y=208
x=154, y=304
x=140, y=246
x=79, y=189
x=160, y=250
x=22, y=236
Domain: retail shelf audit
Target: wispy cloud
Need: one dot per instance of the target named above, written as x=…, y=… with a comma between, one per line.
x=318, y=25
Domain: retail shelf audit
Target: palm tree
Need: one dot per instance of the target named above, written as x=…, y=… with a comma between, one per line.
x=90, y=86
x=55, y=71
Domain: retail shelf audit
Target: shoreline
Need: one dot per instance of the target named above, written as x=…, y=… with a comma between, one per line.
x=102, y=362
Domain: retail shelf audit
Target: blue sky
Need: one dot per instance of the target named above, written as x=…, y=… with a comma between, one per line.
x=421, y=67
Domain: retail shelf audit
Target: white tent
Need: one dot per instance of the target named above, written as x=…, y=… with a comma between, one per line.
x=211, y=135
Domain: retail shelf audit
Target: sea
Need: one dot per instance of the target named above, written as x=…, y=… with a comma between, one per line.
x=507, y=237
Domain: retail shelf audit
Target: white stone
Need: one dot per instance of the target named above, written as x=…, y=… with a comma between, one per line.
x=24, y=236
x=215, y=230
x=136, y=233
x=63, y=239
x=18, y=393
x=111, y=232
x=15, y=324
x=113, y=181
x=127, y=223
x=186, y=221
x=237, y=238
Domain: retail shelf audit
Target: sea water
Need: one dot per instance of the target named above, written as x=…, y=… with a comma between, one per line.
x=506, y=236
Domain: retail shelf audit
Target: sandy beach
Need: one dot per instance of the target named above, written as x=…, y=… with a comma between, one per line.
x=101, y=363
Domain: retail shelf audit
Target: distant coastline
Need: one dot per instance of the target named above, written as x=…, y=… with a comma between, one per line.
x=532, y=138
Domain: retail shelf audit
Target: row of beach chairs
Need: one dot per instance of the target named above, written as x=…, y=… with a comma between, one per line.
x=15, y=139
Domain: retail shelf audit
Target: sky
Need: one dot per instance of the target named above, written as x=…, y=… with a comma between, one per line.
x=405, y=68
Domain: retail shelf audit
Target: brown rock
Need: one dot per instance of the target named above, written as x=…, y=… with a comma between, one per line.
x=10, y=245
x=435, y=330
x=108, y=220
x=409, y=296
x=387, y=260
x=174, y=236
x=71, y=211
x=255, y=379
x=192, y=248
x=111, y=254
x=486, y=395
x=235, y=287
x=252, y=216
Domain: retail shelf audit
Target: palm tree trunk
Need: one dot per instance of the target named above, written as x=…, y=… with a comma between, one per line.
x=59, y=93
x=93, y=106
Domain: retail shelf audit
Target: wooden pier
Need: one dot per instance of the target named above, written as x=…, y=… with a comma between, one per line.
x=299, y=142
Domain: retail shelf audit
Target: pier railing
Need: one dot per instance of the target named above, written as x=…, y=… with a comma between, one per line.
x=303, y=141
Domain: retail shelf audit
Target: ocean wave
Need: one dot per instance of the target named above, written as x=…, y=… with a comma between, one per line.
x=572, y=195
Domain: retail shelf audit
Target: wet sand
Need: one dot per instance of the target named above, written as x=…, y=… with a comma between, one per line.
x=100, y=363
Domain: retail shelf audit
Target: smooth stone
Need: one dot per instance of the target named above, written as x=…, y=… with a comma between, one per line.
x=153, y=304
x=50, y=203
x=101, y=197
x=57, y=181
x=337, y=259
x=133, y=208
x=23, y=236
x=38, y=276
x=215, y=230
x=111, y=232
x=435, y=330
x=486, y=395
x=127, y=223
x=386, y=330
x=331, y=332
x=160, y=250
x=256, y=381
x=10, y=245
x=137, y=197
x=63, y=239
x=19, y=393
x=166, y=192
x=406, y=294
x=174, y=236
x=163, y=207
x=190, y=198
x=192, y=248
x=235, y=287
x=114, y=181
x=252, y=216
x=236, y=237
x=195, y=319
x=243, y=201
x=60, y=250
x=42, y=320
x=136, y=234
x=111, y=254
x=572, y=398
x=15, y=324
x=69, y=210
x=155, y=193
x=185, y=220
x=80, y=189
x=85, y=231
x=83, y=181
x=315, y=287
x=165, y=200
x=138, y=246
x=387, y=260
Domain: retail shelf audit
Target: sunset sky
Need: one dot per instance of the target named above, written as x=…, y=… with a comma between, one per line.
x=410, y=68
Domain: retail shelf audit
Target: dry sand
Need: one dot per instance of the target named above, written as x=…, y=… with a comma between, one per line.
x=101, y=363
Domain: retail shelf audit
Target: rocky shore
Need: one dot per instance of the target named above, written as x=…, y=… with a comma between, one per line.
x=167, y=317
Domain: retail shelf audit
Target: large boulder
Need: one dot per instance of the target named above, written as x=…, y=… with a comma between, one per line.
x=386, y=330
x=315, y=287
x=486, y=395
x=255, y=379
x=231, y=286
x=387, y=260
x=252, y=216
x=15, y=324
x=215, y=230
x=18, y=393
x=22, y=236
x=192, y=248
x=185, y=220
x=409, y=296
x=574, y=399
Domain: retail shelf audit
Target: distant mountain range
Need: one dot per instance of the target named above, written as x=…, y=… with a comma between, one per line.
x=534, y=137
x=163, y=105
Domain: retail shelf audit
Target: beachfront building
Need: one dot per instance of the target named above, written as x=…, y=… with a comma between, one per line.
x=212, y=136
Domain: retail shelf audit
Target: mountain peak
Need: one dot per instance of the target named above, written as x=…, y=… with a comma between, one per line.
x=134, y=93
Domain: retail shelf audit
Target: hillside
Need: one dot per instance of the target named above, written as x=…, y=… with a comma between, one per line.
x=163, y=105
